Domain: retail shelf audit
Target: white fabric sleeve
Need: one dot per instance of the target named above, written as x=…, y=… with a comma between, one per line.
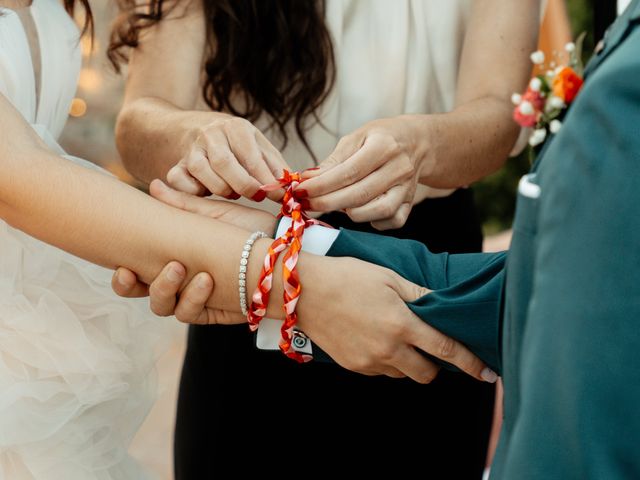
x=317, y=239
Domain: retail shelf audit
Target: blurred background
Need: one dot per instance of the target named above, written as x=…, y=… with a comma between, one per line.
x=89, y=134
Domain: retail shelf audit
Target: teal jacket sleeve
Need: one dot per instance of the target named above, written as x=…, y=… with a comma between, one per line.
x=580, y=359
x=465, y=302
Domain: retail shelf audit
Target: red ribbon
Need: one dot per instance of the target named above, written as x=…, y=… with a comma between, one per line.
x=291, y=239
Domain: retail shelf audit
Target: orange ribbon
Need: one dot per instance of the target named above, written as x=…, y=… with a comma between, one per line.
x=291, y=239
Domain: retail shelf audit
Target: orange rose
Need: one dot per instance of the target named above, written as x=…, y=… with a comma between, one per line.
x=567, y=84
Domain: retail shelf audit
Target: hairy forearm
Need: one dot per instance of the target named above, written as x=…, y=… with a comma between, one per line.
x=152, y=135
x=463, y=146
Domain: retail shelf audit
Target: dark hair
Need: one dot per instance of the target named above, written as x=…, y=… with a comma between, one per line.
x=275, y=55
x=70, y=7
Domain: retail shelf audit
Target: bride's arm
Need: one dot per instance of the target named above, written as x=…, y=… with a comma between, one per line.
x=102, y=220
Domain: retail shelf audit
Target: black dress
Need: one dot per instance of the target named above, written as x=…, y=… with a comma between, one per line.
x=242, y=410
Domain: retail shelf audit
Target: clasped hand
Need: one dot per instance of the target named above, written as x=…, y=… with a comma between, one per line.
x=366, y=327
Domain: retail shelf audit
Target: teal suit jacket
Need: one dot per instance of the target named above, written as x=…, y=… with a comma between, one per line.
x=559, y=317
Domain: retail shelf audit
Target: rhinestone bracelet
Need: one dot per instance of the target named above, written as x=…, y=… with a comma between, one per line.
x=242, y=275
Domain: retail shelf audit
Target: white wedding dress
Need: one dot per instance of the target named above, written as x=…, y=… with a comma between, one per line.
x=76, y=362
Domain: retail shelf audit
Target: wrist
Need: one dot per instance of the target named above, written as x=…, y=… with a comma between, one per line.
x=419, y=129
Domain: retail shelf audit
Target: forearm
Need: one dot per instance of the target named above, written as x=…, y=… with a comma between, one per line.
x=467, y=288
x=475, y=138
x=152, y=135
x=102, y=220
x=465, y=145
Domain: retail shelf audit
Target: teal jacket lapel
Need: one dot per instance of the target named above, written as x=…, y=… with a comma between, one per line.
x=614, y=35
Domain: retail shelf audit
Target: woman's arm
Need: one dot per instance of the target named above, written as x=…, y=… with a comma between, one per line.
x=374, y=171
x=100, y=219
x=161, y=133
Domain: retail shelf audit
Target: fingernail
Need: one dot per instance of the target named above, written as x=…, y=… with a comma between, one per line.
x=233, y=196
x=489, y=375
x=201, y=282
x=312, y=169
x=259, y=196
x=301, y=193
x=120, y=280
x=173, y=275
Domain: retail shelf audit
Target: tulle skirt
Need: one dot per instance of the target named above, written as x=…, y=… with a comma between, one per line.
x=76, y=366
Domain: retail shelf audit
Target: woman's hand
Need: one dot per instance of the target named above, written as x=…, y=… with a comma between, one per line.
x=229, y=157
x=247, y=218
x=372, y=173
x=356, y=312
x=166, y=293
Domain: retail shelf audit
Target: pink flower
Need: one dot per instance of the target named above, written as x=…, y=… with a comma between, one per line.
x=536, y=99
x=525, y=114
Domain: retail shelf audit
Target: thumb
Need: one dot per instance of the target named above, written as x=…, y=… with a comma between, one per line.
x=345, y=148
x=409, y=291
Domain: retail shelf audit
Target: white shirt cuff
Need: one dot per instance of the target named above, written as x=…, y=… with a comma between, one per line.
x=317, y=239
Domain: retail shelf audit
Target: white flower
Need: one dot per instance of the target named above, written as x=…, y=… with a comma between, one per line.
x=537, y=57
x=570, y=47
x=537, y=137
x=558, y=69
x=550, y=74
x=535, y=84
x=555, y=126
x=526, y=108
x=556, y=102
x=516, y=98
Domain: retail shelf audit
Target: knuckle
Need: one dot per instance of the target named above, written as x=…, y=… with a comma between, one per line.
x=158, y=307
x=392, y=147
x=246, y=187
x=236, y=123
x=157, y=291
x=351, y=173
x=198, y=164
x=419, y=291
x=384, y=210
x=384, y=353
x=319, y=204
x=398, y=220
x=397, y=328
x=363, y=195
x=174, y=175
x=184, y=311
x=427, y=376
x=446, y=348
x=217, y=159
x=405, y=167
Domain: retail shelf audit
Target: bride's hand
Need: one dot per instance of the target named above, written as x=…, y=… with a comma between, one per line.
x=164, y=293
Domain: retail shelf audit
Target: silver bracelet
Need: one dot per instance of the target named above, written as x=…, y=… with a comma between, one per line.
x=242, y=275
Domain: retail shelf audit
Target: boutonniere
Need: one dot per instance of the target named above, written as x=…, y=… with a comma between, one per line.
x=550, y=92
